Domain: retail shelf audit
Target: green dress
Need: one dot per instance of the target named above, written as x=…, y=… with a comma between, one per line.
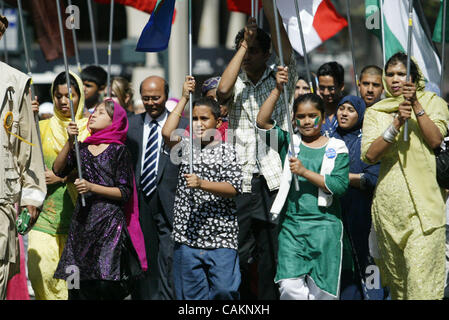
x=311, y=237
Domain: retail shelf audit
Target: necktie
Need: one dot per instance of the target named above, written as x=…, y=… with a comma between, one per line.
x=148, y=178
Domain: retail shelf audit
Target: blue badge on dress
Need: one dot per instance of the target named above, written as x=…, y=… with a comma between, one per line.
x=331, y=153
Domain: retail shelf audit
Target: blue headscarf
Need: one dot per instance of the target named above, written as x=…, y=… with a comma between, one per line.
x=353, y=136
x=356, y=203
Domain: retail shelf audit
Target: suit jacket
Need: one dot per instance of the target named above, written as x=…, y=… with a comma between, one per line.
x=167, y=172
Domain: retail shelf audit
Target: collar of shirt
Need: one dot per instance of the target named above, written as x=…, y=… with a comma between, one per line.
x=160, y=120
x=269, y=71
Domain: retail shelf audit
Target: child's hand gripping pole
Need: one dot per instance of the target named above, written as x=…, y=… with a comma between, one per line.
x=287, y=110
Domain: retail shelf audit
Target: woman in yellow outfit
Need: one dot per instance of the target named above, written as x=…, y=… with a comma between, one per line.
x=408, y=210
x=47, y=238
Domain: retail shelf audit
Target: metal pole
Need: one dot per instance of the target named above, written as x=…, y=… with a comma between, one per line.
x=75, y=43
x=256, y=11
x=111, y=29
x=253, y=13
x=281, y=58
x=443, y=47
x=190, y=94
x=69, y=88
x=28, y=64
x=384, y=53
x=356, y=80
x=5, y=46
x=92, y=31
x=303, y=45
x=409, y=53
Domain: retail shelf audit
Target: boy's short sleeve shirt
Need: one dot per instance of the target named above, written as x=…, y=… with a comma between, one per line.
x=243, y=107
x=202, y=219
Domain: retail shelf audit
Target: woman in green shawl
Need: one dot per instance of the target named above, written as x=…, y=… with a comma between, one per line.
x=408, y=210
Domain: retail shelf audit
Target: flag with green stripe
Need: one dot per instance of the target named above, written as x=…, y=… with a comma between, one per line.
x=395, y=30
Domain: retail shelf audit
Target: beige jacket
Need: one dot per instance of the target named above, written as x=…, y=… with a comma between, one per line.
x=22, y=178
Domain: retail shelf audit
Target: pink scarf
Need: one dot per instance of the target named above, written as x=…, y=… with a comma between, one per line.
x=116, y=133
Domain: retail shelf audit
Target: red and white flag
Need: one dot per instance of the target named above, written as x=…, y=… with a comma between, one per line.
x=142, y=5
x=319, y=20
x=242, y=5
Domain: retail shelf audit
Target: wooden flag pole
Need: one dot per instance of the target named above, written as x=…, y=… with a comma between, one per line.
x=409, y=53
x=69, y=88
x=304, y=49
x=190, y=94
x=287, y=109
x=443, y=48
x=28, y=64
x=92, y=31
x=111, y=29
x=348, y=16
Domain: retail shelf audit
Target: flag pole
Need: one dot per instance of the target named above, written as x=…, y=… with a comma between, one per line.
x=409, y=52
x=75, y=43
x=190, y=93
x=287, y=109
x=348, y=15
x=5, y=46
x=253, y=13
x=111, y=29
x=443, y=47
x=69, y=88
x=256, y=11
x=28, y=64
x=304, y=50
x=384, y=54
x=92, y=31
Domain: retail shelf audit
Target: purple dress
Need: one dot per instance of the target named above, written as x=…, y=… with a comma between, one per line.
x=96, y=236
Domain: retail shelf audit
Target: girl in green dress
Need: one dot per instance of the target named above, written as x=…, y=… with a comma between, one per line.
x=310, y=256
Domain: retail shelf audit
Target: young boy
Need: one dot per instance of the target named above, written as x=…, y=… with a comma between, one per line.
x=205, y=229
x=94, y=81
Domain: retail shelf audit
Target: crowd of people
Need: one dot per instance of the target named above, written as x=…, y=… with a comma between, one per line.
x=335, y=204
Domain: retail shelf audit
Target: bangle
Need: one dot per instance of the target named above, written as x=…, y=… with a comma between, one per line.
x=242, y=45
x=419, y=114
x=177, y=113
x=390, y=134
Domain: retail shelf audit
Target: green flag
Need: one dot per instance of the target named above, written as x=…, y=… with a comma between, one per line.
x=437, y=32
x=395, y=30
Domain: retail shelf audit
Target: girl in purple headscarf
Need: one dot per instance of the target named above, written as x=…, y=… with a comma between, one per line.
x=105, y=249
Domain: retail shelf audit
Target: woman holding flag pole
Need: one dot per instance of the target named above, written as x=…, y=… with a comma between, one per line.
x=408, y=210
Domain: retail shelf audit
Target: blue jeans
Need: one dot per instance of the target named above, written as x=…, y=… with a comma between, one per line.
x=206, y=274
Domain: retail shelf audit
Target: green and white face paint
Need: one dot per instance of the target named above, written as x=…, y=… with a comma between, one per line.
x=316, y=123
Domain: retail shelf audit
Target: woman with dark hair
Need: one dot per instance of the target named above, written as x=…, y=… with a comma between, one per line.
x=48, y=236
x=356, y=203
x=408, y=205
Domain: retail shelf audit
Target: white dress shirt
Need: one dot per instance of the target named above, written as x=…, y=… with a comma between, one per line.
x=146, y=132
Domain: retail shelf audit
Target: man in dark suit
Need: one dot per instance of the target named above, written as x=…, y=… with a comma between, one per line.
x=156, y=180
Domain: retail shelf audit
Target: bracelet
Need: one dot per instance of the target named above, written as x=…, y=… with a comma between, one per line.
x=419, y=114
x=177, y=113
x=242, y=45
x=390, y=134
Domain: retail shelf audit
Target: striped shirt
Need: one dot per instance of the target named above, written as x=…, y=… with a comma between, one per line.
x=243, y=107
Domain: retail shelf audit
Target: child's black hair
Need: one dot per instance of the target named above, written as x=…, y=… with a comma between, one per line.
x=94, y=74
x=309, y=97
x=211, y=103
x=62, y=80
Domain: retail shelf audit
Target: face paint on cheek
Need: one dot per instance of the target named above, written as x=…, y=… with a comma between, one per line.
x=298, y=123
x=316, y=124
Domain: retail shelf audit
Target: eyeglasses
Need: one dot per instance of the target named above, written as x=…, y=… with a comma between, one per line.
x=148, y=98
x=330, y=88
